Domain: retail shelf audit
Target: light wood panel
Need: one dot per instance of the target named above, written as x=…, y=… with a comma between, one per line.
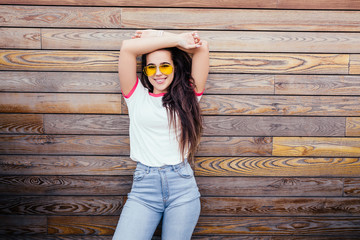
x=353, y=126
x=310, y=146
x=66, y=165
x=240, y=19
x=277, y=166
x=354, y=64
x=219, y=62
x=28, y=38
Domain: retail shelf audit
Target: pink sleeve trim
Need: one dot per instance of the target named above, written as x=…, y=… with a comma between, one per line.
x=132, y=90
x=199, y=94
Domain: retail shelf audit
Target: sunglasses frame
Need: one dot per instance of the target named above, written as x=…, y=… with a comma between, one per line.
x=167, y=64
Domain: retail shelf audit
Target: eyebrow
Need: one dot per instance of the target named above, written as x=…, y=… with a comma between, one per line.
x=160, y=63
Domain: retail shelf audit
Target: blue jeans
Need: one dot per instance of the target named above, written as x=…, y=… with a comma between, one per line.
x=169, y=192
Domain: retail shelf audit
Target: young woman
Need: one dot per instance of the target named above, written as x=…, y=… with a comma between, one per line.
x=165, y=129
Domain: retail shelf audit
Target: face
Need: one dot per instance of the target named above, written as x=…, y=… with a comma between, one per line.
x=159, y=80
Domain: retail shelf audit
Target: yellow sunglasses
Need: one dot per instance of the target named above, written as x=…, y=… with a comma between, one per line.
x=164, y=68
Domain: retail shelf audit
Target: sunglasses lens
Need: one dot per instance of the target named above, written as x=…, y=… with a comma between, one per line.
x=166, y=69
x=150, y=70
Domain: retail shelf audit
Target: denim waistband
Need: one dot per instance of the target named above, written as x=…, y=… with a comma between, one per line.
x=164, y=168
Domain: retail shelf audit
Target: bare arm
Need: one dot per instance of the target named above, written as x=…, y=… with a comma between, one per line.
x=131, y=48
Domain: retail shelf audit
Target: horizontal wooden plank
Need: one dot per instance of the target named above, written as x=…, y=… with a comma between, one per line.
x=60, y=103
x=280, y=105
x=210, y=104
x=21, y=123
x=354, y=67
x=119, y=145
x=22, y=225
x=55, y=237
x=226, y=41
x=66, y=165
x=28, y=38
x=312, y=146
x=15, y=81
x=261, y=186
x=352, y=187
x=305, y=4
x=277, y=166
x=240, y=19
x=317, y=84
x=353, y=126
x=235, y=226
x=65, y=185
x=70, y=17
x=209, y=186
x=47, y=60
x=260, y=206
x=310, y=226
x=61, y=205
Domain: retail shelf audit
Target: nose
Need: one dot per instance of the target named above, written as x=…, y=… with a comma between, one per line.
x=158, y=72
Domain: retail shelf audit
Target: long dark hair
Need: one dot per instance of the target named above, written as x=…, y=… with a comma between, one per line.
x=181, y=102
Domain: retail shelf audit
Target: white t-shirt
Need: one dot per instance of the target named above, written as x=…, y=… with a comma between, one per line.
x=152, y=141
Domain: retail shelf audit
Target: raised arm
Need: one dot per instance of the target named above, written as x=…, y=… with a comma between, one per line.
x=131, y=48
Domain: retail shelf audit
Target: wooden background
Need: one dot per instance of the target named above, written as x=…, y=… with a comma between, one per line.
x=280, y=155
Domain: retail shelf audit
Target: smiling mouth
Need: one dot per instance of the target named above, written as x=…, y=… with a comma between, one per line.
x=160, y=80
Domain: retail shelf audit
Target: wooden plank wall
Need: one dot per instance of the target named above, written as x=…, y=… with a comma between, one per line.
x=280, y=155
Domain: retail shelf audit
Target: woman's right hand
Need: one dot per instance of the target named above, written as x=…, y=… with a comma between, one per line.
x=189, y=41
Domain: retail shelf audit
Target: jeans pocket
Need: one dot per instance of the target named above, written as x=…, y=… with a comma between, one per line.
x=186, y=171
x=139, y=174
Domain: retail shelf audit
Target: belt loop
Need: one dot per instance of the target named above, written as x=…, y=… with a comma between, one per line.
x=147, y=169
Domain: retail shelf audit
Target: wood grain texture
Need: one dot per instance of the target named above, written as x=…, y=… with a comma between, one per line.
x=22, y=225
x=277, y=166
x=273, y=126
x=353, y=126
x=311, y=146
x=354, y=64
x=225, y=41
x=16, y=81
x=65, y=185
x=317, y=85
x=61, y=205
x=28, y=38
x=47, y=60
x=66, y=165
x=305, y=4
x=310, y=226
x=60, y=103
x=352, y=187
x=266, y=187
x=21, y=123
x=70, y=17
x=280, y=105
x=260, y=206
x=240, y=19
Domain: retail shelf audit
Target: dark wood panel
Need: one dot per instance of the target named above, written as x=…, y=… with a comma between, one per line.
x=354, y=64
x=277, y=166
x=119, y=145
x=65, y=165
x=61, y=205
x=65, y=185
x=28, y=38
x=240, y=19
x=228, y=41
x=305, y=4
x=317, y=85
x=353, y=126
x=18, y=225
x=240, y=206
x=70, y=17
x=47, y=60
x=260, y=186
x=310, y=226
x=21, y=123
x=60, y=103
x=352, y=187
x=312, y=146
x=55, y=237
x=280, y=105
x=273, y=126
x=59, y=82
